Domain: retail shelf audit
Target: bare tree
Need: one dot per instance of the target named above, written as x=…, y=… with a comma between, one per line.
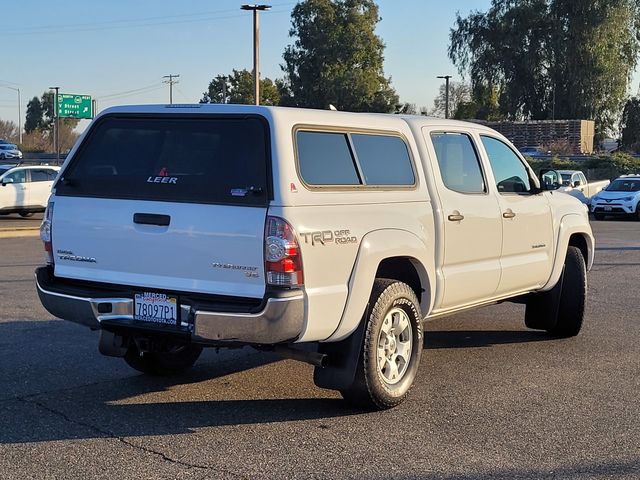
x=8, y=131
x=458, y=93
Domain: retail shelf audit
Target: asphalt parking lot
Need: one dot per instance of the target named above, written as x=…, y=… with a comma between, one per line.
x=16, y=222
x=492, y=400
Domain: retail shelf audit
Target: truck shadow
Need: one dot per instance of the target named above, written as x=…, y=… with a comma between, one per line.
x=58, y=387
x=71, y=397
x=480, y=338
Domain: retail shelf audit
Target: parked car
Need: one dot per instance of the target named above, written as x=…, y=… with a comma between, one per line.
x=25, y=189
x=575, y=183
x=173, y=228
x=9, y=151
x=533, y=152
x=621, y=197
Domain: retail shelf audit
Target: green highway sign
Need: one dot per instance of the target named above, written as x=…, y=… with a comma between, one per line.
x=75, y=106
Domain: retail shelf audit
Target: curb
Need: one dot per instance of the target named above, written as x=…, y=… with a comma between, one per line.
x=19, y=232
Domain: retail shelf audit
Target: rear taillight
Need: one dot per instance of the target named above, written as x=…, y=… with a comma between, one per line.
x=283, y=260
x=46, y=233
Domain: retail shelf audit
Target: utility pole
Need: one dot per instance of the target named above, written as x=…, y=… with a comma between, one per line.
x=224, y=89
x=446, y=95
x=171, y=81
x=16, y=89
x=56, y=123
x=256, y=46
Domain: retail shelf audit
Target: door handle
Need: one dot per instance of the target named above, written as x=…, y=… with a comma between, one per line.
x=151, y=219
x=456, y=217
x=508, y=214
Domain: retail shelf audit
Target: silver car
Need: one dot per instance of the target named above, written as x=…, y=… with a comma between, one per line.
x=9, y=151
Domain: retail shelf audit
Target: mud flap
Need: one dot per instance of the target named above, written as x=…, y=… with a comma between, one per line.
x=112, y=345
x=542, y=308
x=343, y=358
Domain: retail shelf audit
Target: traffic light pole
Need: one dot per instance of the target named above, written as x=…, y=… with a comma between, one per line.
x=56, y=124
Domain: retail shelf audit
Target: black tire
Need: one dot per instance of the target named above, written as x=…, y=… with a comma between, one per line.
x=396, y=303
x=572, y=297
x=638, y=212
x=171, y=362
x=598, y=216
x=26, y=214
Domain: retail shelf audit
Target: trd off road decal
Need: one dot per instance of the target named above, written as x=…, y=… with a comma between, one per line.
x=324, y=237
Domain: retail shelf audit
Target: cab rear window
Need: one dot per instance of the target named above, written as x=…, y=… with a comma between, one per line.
x=200, y=159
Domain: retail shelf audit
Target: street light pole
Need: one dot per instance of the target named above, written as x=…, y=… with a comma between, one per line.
x=256, y=46
x=446, y=95
x=16, y=89
x=56, y=124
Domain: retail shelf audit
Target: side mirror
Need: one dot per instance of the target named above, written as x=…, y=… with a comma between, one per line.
x=7, y=180
x=549, y=179
x=577, y=183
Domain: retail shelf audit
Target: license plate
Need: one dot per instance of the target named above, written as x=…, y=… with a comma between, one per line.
x=155, y=307
x=607, y=209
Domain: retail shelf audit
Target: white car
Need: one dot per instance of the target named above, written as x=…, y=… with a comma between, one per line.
x=25, y=189
x=173, y=228
x=621, y=197
x=9, y=151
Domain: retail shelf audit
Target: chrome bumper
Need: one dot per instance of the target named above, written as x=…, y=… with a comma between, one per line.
x=280, y=320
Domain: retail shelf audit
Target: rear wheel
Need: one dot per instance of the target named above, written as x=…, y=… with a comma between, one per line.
x=392, y=347
x=174, y=360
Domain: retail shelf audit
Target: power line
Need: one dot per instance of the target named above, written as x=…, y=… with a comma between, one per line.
x=118, y=97
x=154, y=86
x=123, y=24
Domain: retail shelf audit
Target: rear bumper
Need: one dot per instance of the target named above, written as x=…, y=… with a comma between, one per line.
x=280, y=318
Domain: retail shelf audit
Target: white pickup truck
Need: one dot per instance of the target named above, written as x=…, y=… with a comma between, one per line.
x=173, y=228
x=575, y=183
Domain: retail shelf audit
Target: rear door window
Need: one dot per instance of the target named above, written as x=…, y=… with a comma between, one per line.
x=459, y=163
x=41, y=175
x=198, y=159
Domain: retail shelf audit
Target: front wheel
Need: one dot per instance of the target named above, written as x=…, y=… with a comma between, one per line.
x=638, y=212
x=172, y=361
x=560, y=311
x=392, y=347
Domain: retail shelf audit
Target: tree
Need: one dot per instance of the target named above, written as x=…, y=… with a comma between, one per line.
x=239, y=89
x=39, y=126
x=8, y=131
x=483, y=105
x=458, y=93
x=552, y=58
x=34, y=115
x=630, y=125
x=406, y=109
x=336, y=58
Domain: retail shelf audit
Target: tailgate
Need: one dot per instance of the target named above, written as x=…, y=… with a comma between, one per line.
x=167, y=203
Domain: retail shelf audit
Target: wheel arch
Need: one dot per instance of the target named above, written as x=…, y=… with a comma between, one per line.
x=574, y=231
x=395, y=254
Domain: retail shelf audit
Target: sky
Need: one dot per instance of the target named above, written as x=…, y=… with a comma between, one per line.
x=117, y=51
